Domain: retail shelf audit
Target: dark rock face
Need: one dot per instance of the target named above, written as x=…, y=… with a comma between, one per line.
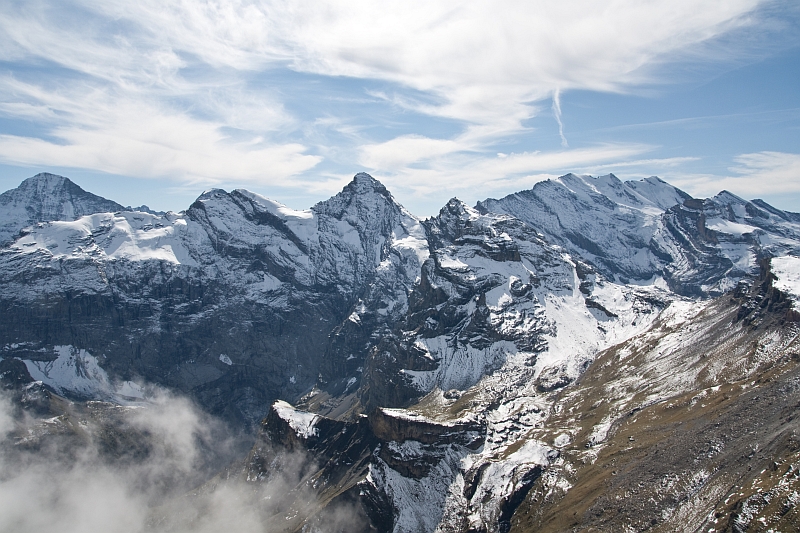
x=239, y=300
x=452, y=335
x=722, y=239
x=399, y=426
x=232, y=301
x=354, y=306
x=342, y=459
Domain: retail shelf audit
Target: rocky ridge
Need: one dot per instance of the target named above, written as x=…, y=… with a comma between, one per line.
x=430, y=357
x=640, y=231
x=232, y=300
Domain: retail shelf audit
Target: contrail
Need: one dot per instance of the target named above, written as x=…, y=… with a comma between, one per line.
x=557, y=113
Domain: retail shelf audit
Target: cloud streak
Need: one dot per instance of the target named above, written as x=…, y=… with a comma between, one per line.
x=222, y=91
x=557, y=114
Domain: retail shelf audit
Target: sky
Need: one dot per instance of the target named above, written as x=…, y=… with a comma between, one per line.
x=152, y=102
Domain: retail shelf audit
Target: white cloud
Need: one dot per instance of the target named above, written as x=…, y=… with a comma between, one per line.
x=147, y=479
x=641, y=168
x=756, y=174
x=486, y=59
x=155, y=89
x=772, y=172
x=129, y=136
x=406, y=150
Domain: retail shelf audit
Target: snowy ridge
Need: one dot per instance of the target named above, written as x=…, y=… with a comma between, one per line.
x=475, y=320
x=229, y=253
x=606, y=222
x=640, y=231
x=494, y=293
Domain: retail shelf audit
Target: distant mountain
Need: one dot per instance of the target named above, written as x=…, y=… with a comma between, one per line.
x=639, y=231
x=234, y=300
x=447, y=374
x=44, y=198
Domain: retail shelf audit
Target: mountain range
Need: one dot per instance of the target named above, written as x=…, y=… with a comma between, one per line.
x=588, y=354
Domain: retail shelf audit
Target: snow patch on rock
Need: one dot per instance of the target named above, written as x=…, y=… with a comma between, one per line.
x=787, y=270
x=73, y=371
x=301, y=422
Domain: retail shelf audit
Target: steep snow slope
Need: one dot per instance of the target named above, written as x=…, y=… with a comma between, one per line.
x=43, y=198
x=787, y=273
x=493, y=291
x=640, y=231
x=608, y=223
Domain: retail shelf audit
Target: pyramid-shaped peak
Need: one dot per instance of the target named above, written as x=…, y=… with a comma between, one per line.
x=46, y=176
x=455, y=204
x=363, y=176
x=57, y=197
x=364, y=194
x=46, y=197
x=458, y=209
x=363, y=182
x=44, y=181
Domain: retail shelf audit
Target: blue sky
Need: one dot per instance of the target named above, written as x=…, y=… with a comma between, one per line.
x=153, y=102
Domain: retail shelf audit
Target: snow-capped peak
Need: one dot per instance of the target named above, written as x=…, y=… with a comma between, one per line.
x=364, y=194
x=47, y=197
x=728, y=198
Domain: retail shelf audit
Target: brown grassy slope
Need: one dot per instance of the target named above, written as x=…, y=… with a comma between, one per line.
x=701, y=429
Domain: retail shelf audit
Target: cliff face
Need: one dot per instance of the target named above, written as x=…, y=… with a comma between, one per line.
x=685, y=426
x=240, y=300
x=688, y=427
x=232, y=301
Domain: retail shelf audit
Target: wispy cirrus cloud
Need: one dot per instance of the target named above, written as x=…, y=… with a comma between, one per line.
x=131, y=136
x=234, y=90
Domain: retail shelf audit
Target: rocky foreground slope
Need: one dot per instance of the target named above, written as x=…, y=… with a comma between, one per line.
x=548, y=361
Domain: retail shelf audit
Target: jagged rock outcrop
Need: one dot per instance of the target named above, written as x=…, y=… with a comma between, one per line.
x=348, y=462
x=493, y=290
x=687, y=427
